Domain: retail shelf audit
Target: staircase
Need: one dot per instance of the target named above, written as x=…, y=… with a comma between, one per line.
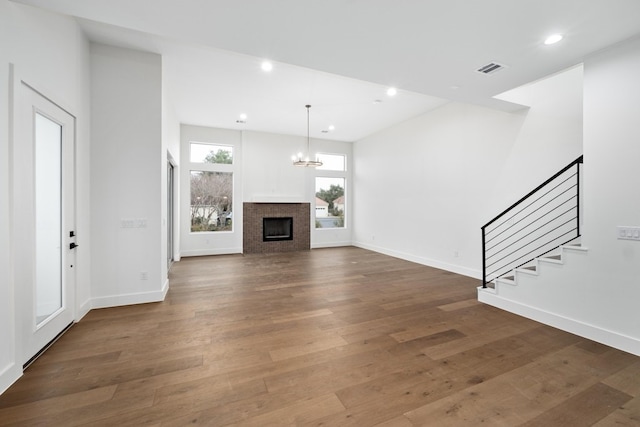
x=534, y=268
x=535, y=265
x=537, y=228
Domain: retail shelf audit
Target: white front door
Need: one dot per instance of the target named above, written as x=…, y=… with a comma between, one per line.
x=44, y=219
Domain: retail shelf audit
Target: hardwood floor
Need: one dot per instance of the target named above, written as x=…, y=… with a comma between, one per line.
x=329, y=337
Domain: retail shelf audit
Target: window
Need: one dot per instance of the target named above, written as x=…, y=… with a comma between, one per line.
x=211, y=153
x=329, y=202
x=330, y=191
x=211, y=187
x=332, y=162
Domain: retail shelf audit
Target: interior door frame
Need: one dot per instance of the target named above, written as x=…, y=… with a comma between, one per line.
x=171, y=210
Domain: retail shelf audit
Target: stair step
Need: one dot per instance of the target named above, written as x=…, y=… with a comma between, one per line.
x=576, y=247
x=553, y=259
x=529, y=269
x=506, y=280
x=489, y=289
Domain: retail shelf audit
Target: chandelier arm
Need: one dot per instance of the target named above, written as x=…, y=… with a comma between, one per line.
x=306, y=162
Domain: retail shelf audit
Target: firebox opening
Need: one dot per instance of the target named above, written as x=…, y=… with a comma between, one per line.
x=275, y=229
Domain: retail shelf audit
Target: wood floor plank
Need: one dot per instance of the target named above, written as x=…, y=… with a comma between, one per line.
x=400, y=421
x=327, y=337
x=475, y=406
x=26, y=412
x=626, y=380
x=310, y=345
x=299, y=413
x=625, y=415
x=584, y=409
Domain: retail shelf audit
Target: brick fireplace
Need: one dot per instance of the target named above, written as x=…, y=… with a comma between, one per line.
x=253, y=241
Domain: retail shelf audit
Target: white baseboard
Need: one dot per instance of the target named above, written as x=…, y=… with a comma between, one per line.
x=476, y=274
x=84, y=308
x=331, y=245
x=207, y=252
x=130, y=299
x=9, y=375
x=165, y=288
x=585, y=330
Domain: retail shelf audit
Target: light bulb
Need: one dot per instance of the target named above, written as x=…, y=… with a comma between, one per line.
x=552, y=39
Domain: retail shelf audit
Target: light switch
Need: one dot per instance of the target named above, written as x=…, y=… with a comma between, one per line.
x=628, y=233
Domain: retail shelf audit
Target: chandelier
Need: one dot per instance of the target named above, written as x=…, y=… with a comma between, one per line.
x=305, y=161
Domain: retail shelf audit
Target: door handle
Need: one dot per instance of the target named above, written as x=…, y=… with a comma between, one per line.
x=73, y=246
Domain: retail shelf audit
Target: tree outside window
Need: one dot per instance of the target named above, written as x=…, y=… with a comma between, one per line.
x=211, y=195
x=330, y=202
x=202, y=152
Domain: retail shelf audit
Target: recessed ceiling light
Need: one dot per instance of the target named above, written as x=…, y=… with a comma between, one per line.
x=243, y=116
x=266, y=66
x=392, y=91
x=332, y=127
x=553, y=39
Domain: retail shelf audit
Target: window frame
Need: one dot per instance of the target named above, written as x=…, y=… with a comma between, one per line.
x=329, y=173
x=213, y=167
x=214, y=144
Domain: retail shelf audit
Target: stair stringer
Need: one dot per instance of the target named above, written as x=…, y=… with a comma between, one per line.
x=545, y=296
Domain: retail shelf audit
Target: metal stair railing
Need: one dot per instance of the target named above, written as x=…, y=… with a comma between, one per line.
x=540, y=222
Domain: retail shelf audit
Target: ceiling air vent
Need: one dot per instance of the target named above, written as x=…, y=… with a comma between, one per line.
x=490, y=68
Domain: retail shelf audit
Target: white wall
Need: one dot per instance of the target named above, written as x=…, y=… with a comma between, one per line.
x=126, y=177
x=9, y=371
x=611, y=151
x=51, y=54
x=270, y=177
x=595, y=293
x=424, y=188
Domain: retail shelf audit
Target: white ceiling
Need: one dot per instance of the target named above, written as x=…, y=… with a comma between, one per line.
x=341, y=55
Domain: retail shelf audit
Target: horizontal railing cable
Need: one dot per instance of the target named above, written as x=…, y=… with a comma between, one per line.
x=511, y=235
x=534, y=250
x=534, y=240
x=540, y=222
x=530, y=204
x=535, y=190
